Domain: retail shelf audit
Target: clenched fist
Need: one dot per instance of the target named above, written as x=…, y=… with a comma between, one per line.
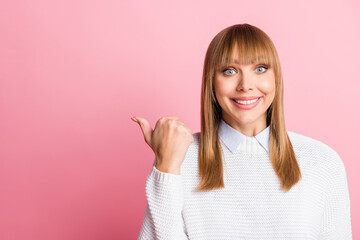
x=169, y=140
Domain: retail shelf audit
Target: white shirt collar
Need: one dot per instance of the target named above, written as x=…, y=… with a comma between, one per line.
x=232, y=137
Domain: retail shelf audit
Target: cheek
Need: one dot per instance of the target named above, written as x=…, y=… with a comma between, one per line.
x=223, y=88
x=222, y=92
x=219, y=89
x=267, y=86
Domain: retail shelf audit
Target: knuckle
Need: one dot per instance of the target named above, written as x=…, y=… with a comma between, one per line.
x=159, y=122
x=180, y=128
x=172, y=122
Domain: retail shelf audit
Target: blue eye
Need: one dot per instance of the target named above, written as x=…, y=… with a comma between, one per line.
x=262, y=67
x=228, y=71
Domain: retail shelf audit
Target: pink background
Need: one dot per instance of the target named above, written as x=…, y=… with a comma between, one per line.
x=72, y=163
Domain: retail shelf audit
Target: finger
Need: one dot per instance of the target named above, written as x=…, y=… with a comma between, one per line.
x=145, y=128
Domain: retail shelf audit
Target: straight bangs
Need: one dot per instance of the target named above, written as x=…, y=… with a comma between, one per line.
x=244, y=49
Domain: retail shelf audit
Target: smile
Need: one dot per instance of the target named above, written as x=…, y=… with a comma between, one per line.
x=246, y=105
x=246, y=102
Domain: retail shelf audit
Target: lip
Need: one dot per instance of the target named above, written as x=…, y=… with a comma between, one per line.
x=248, y=106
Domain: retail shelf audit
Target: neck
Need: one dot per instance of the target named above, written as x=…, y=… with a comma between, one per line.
x=248, y=129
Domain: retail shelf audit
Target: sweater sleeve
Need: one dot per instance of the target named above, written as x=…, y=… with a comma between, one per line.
x=163, y=212
x=336, y=222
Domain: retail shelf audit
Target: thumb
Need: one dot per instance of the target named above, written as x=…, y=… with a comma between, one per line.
x=145, y=128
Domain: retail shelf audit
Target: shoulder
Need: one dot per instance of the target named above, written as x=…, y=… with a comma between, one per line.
x=318, y=152
x=196, y=137
x=306, y=143
x=195, y=144
x=190, y=162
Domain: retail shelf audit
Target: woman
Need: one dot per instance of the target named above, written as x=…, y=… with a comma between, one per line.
x=244, y=176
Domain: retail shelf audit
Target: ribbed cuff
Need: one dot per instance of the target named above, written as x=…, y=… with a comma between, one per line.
x=165, y=177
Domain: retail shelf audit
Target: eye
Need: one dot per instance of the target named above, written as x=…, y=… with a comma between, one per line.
x=229, y=71
x=264, y=67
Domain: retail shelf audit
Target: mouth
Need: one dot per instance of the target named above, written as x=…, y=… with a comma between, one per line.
x=246, y=102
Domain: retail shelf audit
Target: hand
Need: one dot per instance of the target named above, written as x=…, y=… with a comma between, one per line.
x=169, y=141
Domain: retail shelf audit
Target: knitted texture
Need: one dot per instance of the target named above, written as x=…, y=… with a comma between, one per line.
x=252, y=205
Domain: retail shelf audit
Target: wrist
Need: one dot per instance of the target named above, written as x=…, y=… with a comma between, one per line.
x=168, y=169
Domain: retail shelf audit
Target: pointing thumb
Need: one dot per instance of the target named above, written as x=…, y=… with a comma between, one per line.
x=145, y=128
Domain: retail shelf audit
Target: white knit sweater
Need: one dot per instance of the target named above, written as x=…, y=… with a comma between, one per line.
x=252, y=205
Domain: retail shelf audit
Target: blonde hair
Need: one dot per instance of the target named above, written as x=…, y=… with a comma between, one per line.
x=252, y=43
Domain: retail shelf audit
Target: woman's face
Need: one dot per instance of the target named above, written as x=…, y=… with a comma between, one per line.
x=239, y=81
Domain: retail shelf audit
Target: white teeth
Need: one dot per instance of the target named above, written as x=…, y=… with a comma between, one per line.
x=246, y=102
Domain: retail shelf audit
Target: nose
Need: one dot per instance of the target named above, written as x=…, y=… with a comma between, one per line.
x=245, y=82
